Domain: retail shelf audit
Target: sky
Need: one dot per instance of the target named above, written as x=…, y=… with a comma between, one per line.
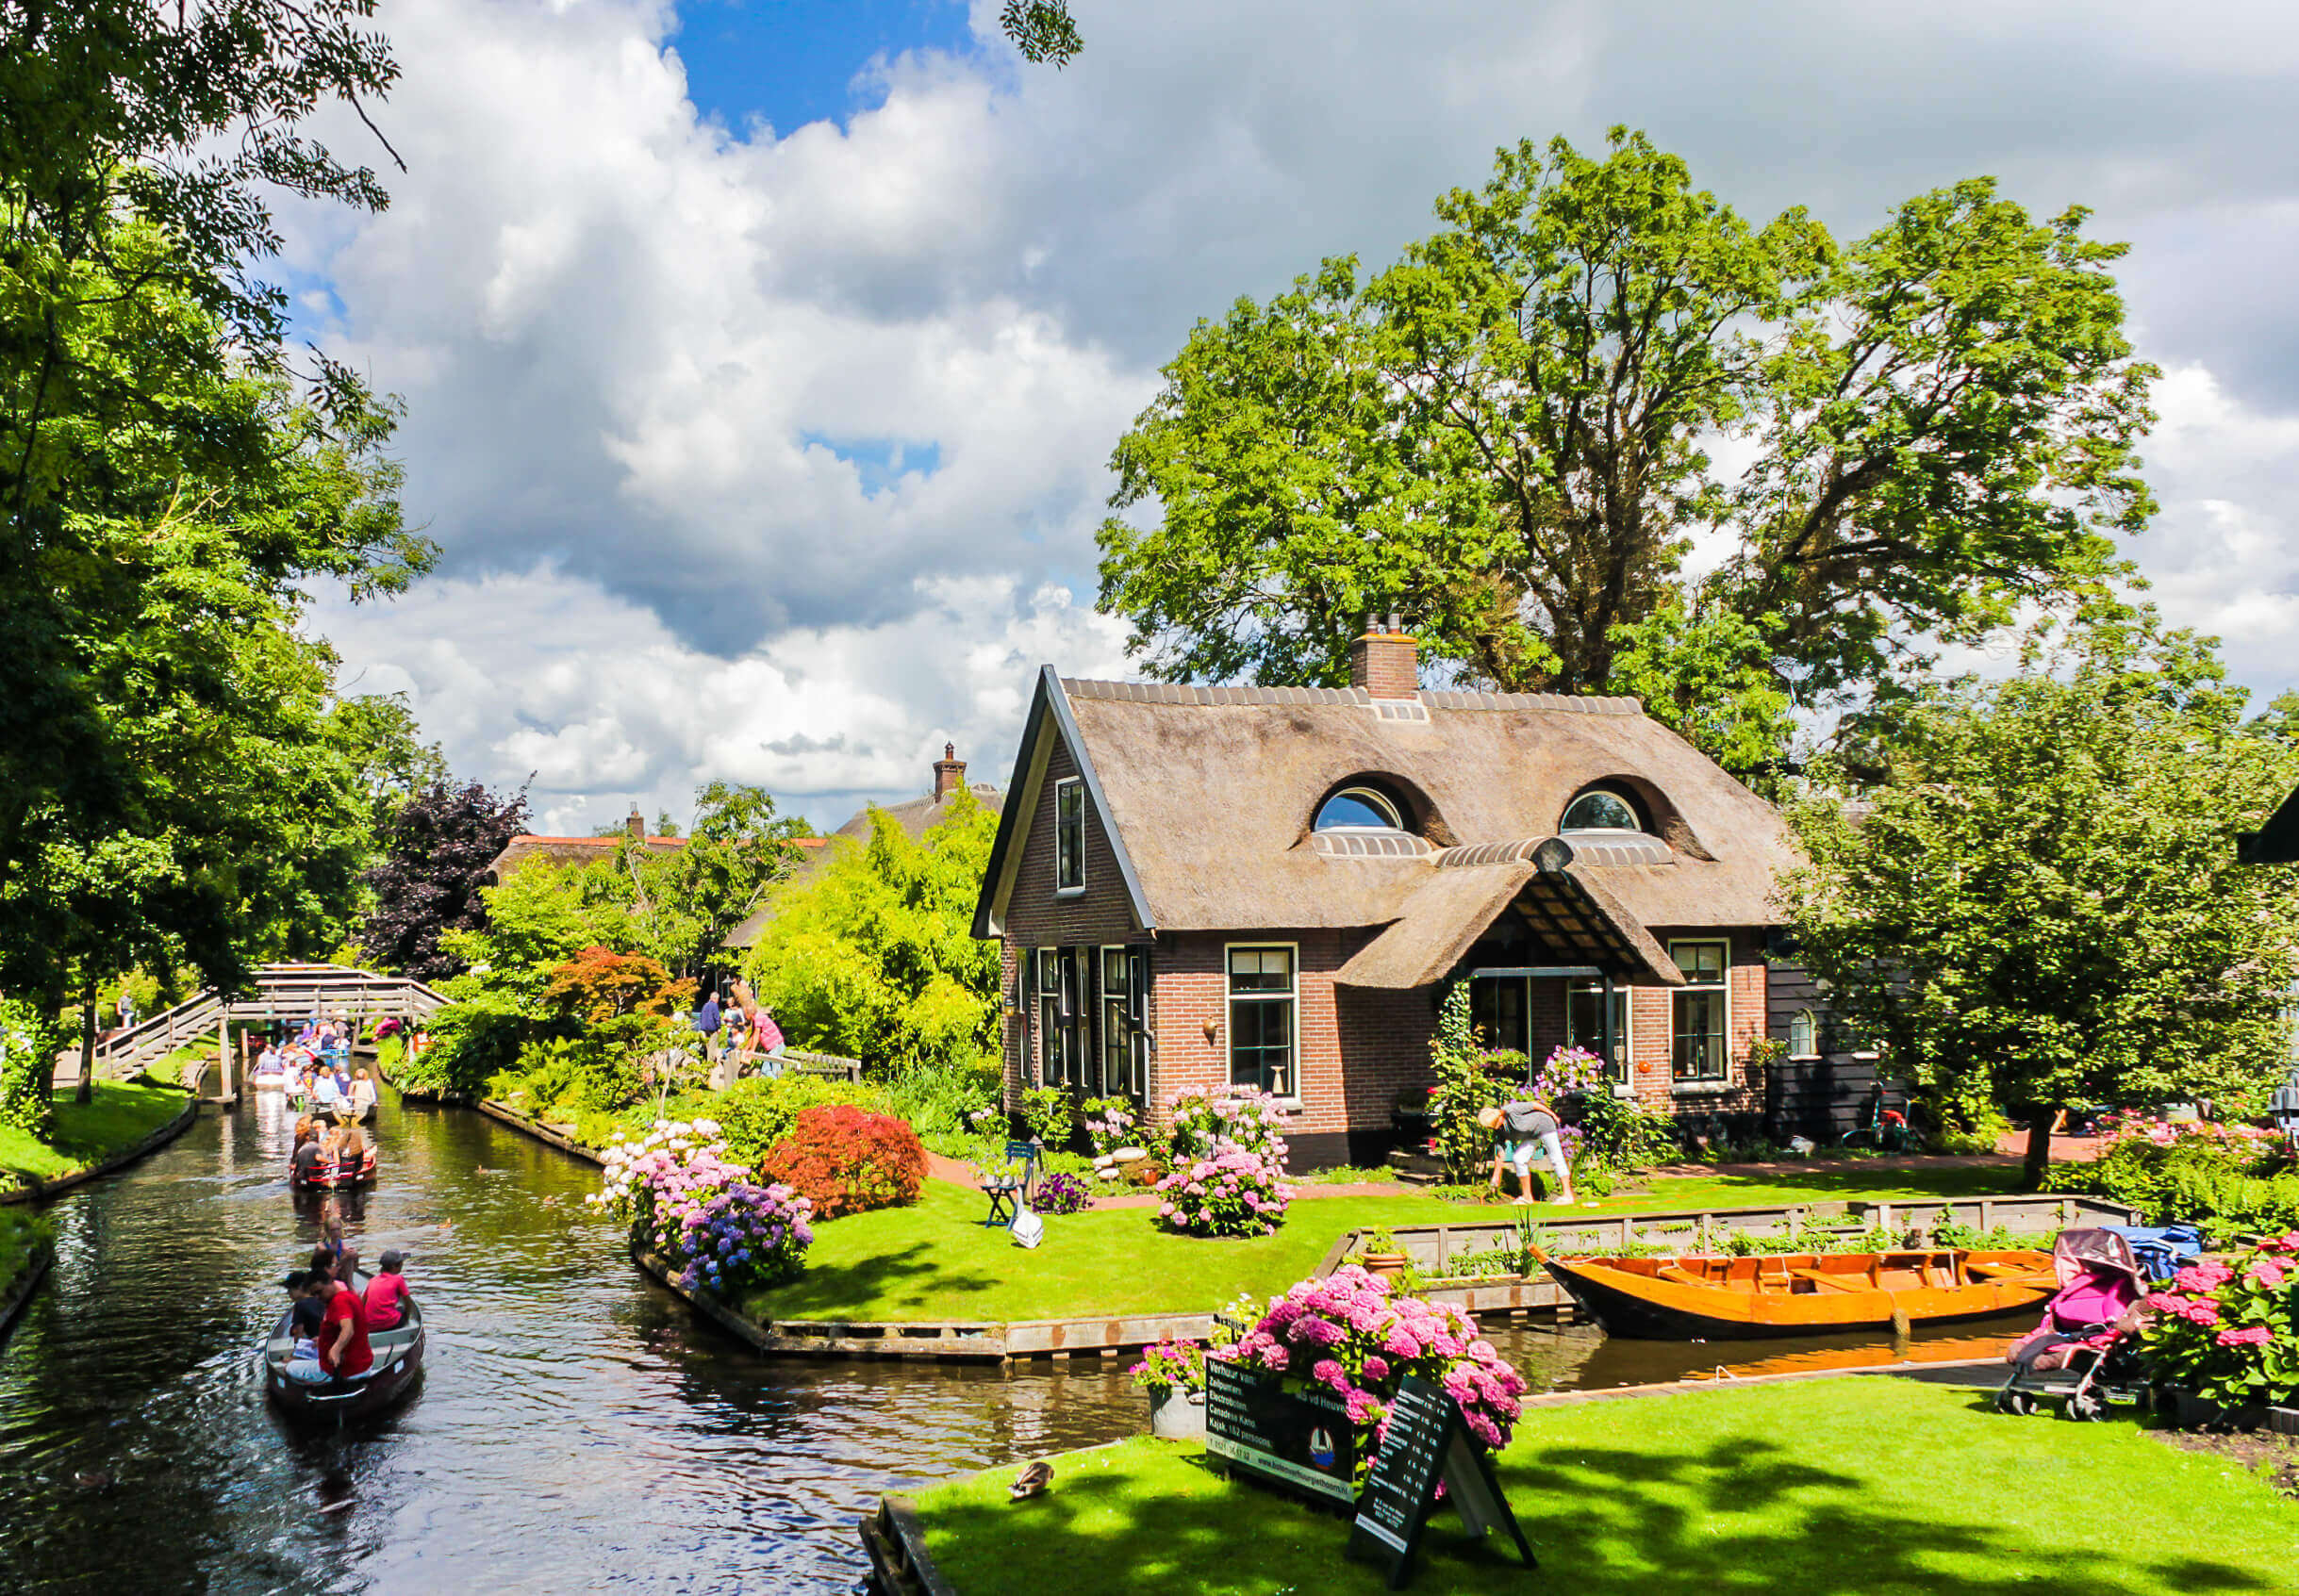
x=763, y=358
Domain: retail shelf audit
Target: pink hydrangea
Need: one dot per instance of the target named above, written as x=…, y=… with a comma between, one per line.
x=2256, y=1335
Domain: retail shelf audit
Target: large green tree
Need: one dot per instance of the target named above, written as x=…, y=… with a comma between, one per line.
x=873, y=957
x=2040, y=905
x=1512, y=438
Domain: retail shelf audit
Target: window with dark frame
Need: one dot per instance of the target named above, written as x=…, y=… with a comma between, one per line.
x=1069, y=834
x=1262, y=1014
x=1497, y=1012
x=1585, y=1023
x=1701, y=1005
x=1125, y=1041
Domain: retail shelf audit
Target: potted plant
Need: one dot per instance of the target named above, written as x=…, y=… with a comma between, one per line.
x=1381, y=1255
x=1173, y=1372
x=2226, y=1338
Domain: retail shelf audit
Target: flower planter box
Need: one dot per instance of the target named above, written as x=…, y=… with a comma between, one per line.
x=2191, y=1412
x=1176, y=1414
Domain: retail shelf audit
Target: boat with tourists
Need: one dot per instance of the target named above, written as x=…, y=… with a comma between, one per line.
x=1697, y=1298
x=399, y=1360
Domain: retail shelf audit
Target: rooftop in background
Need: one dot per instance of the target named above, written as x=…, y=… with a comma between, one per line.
x=524, y=848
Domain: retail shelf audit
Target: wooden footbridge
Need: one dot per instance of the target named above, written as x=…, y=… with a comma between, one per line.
x=278, y=992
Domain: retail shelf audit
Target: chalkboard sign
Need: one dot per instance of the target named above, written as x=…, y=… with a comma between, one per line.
x=1427, y=1444
x=1301, y=1441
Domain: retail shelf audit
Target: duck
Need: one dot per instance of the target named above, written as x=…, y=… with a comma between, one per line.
x=1031, y=1481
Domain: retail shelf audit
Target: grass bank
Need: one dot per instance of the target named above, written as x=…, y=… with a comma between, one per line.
x=21, y=1234
x=1828, y=1488
x=121, y=1115
x=937, y=1260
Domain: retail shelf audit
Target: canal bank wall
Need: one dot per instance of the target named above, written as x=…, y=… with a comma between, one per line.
x=19, y=1291
x=37, y=1190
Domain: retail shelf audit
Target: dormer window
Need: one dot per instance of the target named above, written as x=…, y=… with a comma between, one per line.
x=1600, y=810
x=1357, y=809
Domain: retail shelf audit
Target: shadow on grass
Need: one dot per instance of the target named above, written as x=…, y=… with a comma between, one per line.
x=1738, y=1515
x=910, y=1277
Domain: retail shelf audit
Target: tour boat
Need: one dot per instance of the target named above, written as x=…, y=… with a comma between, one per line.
x=333, y=1180
x=269, y=1080
x=399, y=1358
x=1724, y=1299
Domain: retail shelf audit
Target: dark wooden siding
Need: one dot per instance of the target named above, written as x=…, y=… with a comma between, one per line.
x=1820, y=1097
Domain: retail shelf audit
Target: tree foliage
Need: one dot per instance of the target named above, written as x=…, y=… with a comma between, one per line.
x=873, y=957
x=2041, y=905
x=1042, y=30
x=436, y=845
x=1509, y=436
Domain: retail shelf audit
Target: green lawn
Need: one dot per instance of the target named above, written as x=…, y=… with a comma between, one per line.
x=1861, y=1486
x=122, y=1114
x=937, y=1260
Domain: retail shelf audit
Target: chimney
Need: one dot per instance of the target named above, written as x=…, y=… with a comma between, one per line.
x=1385, y=661
x=949, y=772
x=636, y=824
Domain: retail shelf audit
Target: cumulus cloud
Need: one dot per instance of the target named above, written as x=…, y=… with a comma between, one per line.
x=763, y=451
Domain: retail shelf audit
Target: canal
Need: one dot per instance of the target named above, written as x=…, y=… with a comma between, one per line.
x=577, y=1427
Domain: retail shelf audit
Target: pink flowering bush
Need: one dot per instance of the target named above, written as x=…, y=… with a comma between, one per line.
x=704, y=1216
x=1231, y=1119
x=2230, y=1332
x=1236, y=1194
x=2222, y=1177
x=1350, y=1334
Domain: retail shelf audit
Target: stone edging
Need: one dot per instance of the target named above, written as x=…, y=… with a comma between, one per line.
x=27, y=1278
x=40, y=1191
x=518, y=1120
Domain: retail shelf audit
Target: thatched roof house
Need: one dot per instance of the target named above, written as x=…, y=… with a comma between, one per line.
x=1274, y=885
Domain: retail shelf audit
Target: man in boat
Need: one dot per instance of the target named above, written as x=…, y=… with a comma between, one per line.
x=387, y=1292
x=362, y=1093
x=309, y=1152
x=267, y=1061
x=1519, y=1129
x=342, y=1345
x=325, y=1094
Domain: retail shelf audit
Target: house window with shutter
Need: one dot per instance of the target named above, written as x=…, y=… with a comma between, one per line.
x=1125, y=1028
x=1069, y=835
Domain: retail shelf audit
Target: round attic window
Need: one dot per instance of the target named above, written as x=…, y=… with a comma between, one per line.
x=1357, y=809
x=1600, y=811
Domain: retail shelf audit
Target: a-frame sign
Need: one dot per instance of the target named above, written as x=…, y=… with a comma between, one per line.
x=1427, y=1442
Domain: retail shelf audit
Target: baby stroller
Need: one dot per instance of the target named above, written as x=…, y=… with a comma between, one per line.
x=2083, y=1352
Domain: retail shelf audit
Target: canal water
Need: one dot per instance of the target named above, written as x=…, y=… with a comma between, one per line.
x=577, y=1427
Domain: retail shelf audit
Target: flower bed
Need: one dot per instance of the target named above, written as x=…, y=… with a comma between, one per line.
x=849, y=1161
x=2228, y=1332
x=2218, y=1176
x=723, y=1231
x=1350, y=1334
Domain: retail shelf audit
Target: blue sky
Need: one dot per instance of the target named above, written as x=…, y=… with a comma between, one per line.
x=794, y=61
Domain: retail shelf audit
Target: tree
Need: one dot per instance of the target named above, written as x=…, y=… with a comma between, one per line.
x=437, y=847
x=682, y=902
x=1043, y=31
x=377, y=733
x=1506, y=438
x=2041, y=905
x=874, y=957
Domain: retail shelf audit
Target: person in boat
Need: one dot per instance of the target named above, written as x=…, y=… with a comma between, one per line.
x=309, y=1162
x=305, y=1312
x=386, y=1290
x=343, y=1256
x=362, y=1092
x=351, y=1153
x=2100, y=1303
x=1520, y=1129
x=267, y=1061
x=325, y=1094
x=342, y=1345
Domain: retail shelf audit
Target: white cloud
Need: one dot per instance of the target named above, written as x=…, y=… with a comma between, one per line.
x=760, y=453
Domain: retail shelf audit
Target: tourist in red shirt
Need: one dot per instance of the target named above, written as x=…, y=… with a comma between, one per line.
x=343, y=1349
x=386, y=1292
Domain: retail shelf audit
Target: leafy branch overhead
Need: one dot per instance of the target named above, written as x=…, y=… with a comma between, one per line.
x=1043, y=31
x=1514, y=437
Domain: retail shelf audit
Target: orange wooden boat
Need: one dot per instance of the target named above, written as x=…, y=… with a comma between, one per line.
x=1678, y=1299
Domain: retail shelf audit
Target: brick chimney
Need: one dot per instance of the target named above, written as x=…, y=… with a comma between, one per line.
x=636, y=824
x=1385, y=661
x=949, y=772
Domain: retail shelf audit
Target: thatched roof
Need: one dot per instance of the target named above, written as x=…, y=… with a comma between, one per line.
x=525, y=850
x=1209, y=794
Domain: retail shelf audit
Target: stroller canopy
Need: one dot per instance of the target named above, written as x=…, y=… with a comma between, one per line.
x=2079, y=1252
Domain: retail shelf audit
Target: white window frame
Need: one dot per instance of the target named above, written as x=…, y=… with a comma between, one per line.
x=1623, y=1062
x=1372, y=798
x=1062, y=789
x=1706, y=1082
x=1813, y=1017
x=1292, y=994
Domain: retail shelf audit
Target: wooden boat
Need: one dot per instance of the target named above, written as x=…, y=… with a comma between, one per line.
x=346, y=1112
x=332, y=1181
x=399, y=1360
x=1723, y=1299
x=269, y=1080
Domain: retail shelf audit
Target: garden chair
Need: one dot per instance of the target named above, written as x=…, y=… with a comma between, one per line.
x=1010, y=1180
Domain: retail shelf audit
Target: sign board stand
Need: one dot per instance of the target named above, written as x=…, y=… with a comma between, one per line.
x=1428, y=1443
x=1302, y=1443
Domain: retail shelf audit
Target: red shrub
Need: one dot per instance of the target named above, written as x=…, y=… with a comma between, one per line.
x=849, y=1161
